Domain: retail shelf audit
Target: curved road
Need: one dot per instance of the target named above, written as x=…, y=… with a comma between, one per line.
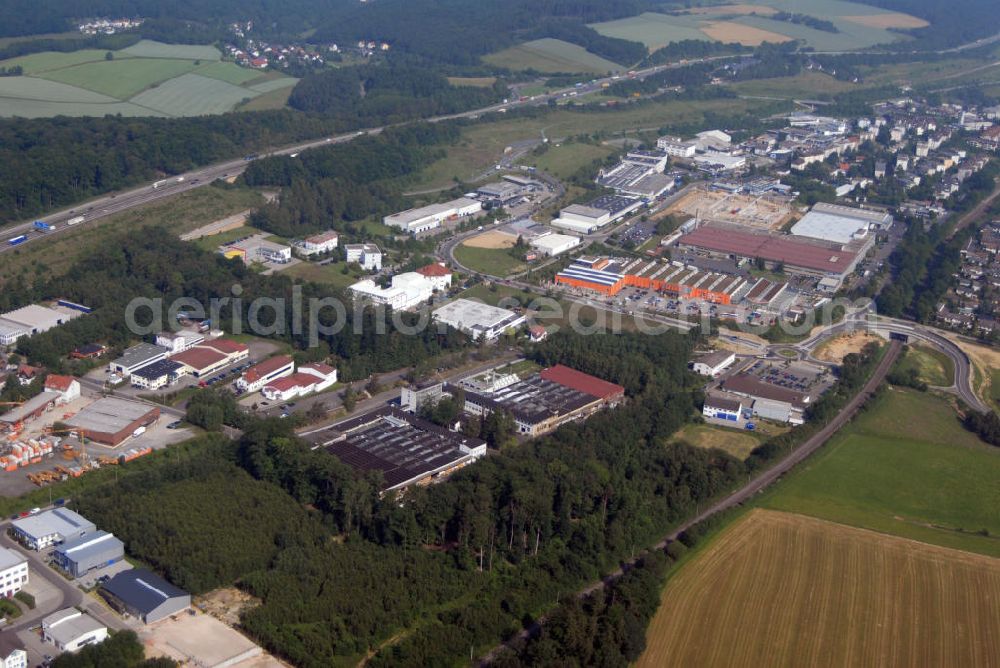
x=745, y=492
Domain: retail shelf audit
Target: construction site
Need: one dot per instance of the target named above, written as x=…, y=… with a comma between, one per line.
x=762, y=212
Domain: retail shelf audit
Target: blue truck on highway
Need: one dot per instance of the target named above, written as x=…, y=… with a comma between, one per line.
x=17, y=240
x=42, y=226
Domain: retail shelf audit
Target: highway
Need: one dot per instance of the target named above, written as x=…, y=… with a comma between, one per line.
x=746, y=492
x=107, y=205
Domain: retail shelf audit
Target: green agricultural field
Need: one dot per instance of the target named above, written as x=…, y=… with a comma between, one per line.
x=552, y=55
x=652, y=29
x=904, y=467
x=859, y=25
x=276, y=99
x=475, y=82
x=121, y=79
x=150, y=49
x=229, y=72
x=734, y=442
x=492, y=261
x=192, y=95
x=55, y=60
x=806, y=83
x=146, y=79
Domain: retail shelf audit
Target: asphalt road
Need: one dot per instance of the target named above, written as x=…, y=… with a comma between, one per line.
x=125, y=200
x=746, y=492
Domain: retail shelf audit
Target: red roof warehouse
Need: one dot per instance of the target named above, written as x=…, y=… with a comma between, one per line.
x=582, y=382
x=794, y=254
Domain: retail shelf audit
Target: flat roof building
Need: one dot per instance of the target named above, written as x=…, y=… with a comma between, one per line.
x=840, y=224
x=554, y=244
x=713, y=363
x=545, y=400
x=422, y=219
x=478, y=320
x=37, y=319
x=604, y=210
x=51, y=527
x=13, y=572
x=369, y=256
x=144, y=595
x=82, y=555
x=111, y=420
x=136, y=357
x=201, y=361
x=407, y=450
x=69, y=630
x=156, y=375
x=31, y=409
x=796, y=254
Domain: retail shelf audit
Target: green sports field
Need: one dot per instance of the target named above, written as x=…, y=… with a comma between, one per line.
x=552, y=55
x=146, y=79
x=906, y=467
x=492, y=261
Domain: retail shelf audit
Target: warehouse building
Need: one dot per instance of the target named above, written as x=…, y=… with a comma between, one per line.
x=111, y=420
x=35, y=319
x=31, y=409
x=550, y=245
x=70, y=630
x=405, y=449
x=501, y=193
x=795, y=254
x=765, y=292
x=265, y=372
x=13, y=572
x=840, y=224
x=367, y=255
x=769, y=401
x=544, y=401
x=480, y=321
x=136, y=357
x=606, y=209
x=10, y=332
x=144, y=595
x=82, y=555
x=609, y=276
x=50, y=527
x=422, y=219
x=713, y=363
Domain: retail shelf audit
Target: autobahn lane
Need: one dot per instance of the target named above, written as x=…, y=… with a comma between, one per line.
x=107, y=205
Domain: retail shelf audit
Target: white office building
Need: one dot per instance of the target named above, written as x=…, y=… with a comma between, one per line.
x=319, y=243
x=676, y=147
x=554, y=244
x=176, y=342
x=367, y=255
x=13, y=572
x=406, y=291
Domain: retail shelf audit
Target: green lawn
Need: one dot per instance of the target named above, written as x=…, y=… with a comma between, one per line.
x=329, y=274
x=55, y=60
x=211, y=243
x=492, y=261
x=806, y=83
x=933, y=367
x=905, y=467
x=735, y=442
x=565, y=160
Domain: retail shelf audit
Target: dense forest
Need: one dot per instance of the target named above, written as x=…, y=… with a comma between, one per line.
x=474, y=558
x=331, y=186
x=47, y=163
x=387, y=93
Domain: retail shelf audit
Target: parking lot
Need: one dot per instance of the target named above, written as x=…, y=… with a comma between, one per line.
x=798, y=376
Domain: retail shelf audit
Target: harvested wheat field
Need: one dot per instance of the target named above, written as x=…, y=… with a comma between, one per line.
x=778, y=589
x=890, y=20
x=491, y=239
x=730, y=31
x=835, y=350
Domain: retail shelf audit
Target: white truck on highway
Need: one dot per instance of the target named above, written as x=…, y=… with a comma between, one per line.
x=76, y=220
